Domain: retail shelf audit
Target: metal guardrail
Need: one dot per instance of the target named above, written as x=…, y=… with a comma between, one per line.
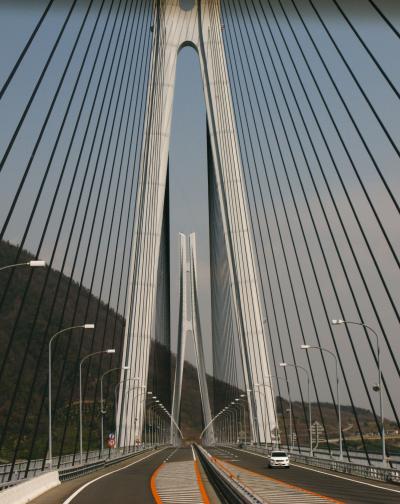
x=24, y=470
x=226, y=484
x=80, y=470
x=353, y=456
x=363, y=471
x=75, y=471
x=8, y=484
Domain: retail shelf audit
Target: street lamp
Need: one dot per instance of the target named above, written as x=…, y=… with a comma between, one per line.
x=233, y=404
x=264, y=421
x=228, y=424
x=102, y=411
x=379, y=385
x=134, y=399
x=310, y=347
x=253, y=419
x=289, y=410
x=135, y=378
x=31, y=264
x=83, y=326
x=240, y=399
x=210, y=422
x=284, y=364
x=288, y=388
x=108, y=351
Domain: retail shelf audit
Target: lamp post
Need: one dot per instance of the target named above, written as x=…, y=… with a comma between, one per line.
x=108, y=351
x=379, y=385
x=290, y=401
x=82, y=326
x=211, y=422
x=223, y=421
x=253, y=420
x=134, y=413
x=174, y=422
x=149, y=393
x=223, y=426
x=229, y=422
x=31, y=264
x=144, y=400
x=162, y=423
x=287, y=384
x=289, y=410
x=149, y=420
x=226, y=424
x=284, y=364
x=311, y=347
x=135, y=378
x=102, y=411
x=241, y=397
x=235, y=419
x=151, y=409
x=240, y=422
x=262, y=418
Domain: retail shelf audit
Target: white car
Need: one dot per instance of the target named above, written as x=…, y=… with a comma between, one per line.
x=278, y=459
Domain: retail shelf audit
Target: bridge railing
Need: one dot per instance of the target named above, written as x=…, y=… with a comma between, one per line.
x=351, y=456
x=23, y=471
x=364, y=471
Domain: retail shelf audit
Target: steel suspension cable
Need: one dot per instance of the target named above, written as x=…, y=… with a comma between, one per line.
x=114, y=261
x=290, y=184
x=34, y=92
x=385, y=18
x=334, y=204
x=25, y=50
x=8, y=348
x=235, y=211
x=357, y=219
x=234, y=64
x=289, y=225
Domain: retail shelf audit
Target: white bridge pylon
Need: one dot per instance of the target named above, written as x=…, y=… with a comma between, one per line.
x=175, y=28
x=189, y=323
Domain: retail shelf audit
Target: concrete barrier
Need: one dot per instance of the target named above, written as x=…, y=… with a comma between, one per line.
x=29, y=490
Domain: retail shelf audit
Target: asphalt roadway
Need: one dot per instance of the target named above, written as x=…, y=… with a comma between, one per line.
x=344, y=488
x=131, y=484
x=127, y=483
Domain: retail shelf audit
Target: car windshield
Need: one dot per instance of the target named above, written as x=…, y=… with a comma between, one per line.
x=278, y=454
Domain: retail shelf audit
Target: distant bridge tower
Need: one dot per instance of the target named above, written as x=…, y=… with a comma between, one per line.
x=175, y=28
x=189, y=323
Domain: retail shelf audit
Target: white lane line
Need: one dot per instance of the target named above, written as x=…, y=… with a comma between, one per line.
x=194, y=455
x=171, y=454
x=79, y=490
x=329, y=474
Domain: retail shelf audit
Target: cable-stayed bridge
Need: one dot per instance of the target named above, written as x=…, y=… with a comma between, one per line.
x=301, y=353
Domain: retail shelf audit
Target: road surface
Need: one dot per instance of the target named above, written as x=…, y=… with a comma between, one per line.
x=343, y=488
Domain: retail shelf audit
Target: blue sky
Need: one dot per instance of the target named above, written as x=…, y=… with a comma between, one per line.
x=188, y=177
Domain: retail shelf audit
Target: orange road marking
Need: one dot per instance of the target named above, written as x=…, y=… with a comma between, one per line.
x=153, y=485
x=201, y=485
x=278, y=481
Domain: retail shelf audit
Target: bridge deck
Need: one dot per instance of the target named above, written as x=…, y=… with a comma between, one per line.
x=271, y=490
x=333, y=486
x=125, y=482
